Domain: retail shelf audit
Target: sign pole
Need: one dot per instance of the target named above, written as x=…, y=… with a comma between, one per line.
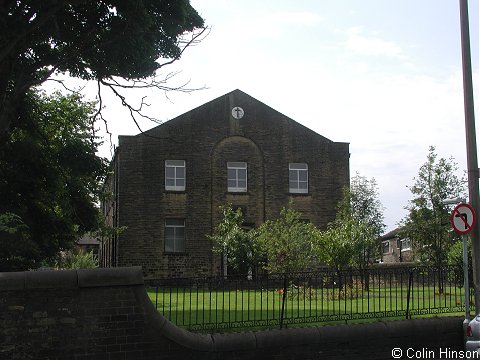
x=472, y=162
x=463, y=220
x=465, y=279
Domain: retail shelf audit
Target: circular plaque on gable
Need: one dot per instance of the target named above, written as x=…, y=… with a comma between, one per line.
x=237, y=112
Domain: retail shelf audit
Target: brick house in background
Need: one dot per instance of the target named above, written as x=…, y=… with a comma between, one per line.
x=168, y=183
x=395, y=249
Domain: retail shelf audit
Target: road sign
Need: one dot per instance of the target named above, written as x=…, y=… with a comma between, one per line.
x=462, y=219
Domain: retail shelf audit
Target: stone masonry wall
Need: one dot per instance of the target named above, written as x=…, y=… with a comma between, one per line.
x=106, y=314
x=206, y=138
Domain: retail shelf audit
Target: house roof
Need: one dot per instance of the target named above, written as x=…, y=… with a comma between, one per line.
x=88, y=239
x=391, y=234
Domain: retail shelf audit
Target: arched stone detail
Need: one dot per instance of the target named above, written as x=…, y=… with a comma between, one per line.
x=239, y=149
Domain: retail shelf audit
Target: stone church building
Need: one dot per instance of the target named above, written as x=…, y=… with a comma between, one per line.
x=168, y=183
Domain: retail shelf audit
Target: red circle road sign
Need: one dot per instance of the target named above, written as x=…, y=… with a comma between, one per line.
x=462, y=219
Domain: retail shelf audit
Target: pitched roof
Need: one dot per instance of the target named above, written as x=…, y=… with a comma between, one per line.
x=223, y=104
x=391, y=234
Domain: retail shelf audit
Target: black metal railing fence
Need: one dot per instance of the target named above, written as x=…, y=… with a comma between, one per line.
x=279, y=300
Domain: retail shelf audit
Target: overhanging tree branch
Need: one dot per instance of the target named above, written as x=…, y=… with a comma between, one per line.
x=104, y=40
x=196, y=38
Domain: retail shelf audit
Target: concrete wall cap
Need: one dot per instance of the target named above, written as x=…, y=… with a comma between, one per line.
x=12, y=281
x=234, y=342
x=110, y=276
x=51, y=279
x=160, y=325
x=70, y=279
x=279, y=338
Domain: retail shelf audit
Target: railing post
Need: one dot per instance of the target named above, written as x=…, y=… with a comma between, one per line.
x=284, y=298
x=410, y=284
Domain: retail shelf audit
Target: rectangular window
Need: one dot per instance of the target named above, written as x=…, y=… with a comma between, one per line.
x=406, y=245
x=386, y=247
x=175, y=175
x=237, y=176
x=175, y=235
x=298, y=178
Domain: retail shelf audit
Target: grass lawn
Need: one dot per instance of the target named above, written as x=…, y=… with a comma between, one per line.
x=200, y=309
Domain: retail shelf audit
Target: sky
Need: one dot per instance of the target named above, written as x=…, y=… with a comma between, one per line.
x=382, y=75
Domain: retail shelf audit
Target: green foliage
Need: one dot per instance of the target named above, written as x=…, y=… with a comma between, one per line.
x=87, y=39
x=427, y=223
x=455, y=257
x=78, y=259
x=361, y=202
x=49, y=173
x=97, y=39
x=238, y=243
x=352, y=239
x=17, y=249
x=455, y=253
x=288, y=243
x=335, y=247
x=347, y=242
x=50, y=180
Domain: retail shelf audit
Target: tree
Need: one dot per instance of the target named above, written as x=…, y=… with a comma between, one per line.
x=347, y=242
x=352, y=239
x=335, y=247
x=288, y=243
x=361, y=202
x=50, y=179
x=91, y=40
x=236, y=243
x=427, y=222
x=17, y=246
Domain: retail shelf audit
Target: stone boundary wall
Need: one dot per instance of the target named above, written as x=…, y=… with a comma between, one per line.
x=106, y=314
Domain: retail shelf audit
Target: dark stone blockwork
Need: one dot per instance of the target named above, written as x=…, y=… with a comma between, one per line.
x=206, y=138
x=106, y=314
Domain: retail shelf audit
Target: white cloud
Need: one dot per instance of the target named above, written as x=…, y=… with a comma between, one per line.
x=370, y=45
x=268, y=25
x=298, y=18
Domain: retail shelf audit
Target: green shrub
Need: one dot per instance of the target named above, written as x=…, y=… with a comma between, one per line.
x=455, y=257
x=79, y=259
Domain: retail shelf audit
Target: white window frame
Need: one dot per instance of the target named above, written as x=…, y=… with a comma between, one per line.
x=294, y=170
x=386, y=242
x=408, y=246
x=178, y=240
x=177, y=180
x=236, y=166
